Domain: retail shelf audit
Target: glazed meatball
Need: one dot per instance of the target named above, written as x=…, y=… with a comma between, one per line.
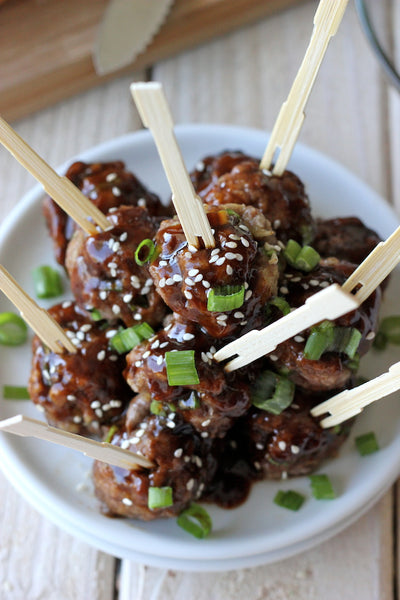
x=333, y=369
x=345, y=238
x=107, y=185
x=291, y=444
x=211, y=405
x=82, y=392
x=185, y=276
x=181, y=459
x=232, y=178
x=104, y=274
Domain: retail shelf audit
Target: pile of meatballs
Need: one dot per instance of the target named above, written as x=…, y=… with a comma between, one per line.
x=207, y=441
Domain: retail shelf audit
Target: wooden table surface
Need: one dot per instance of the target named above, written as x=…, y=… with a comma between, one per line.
x=241, y=78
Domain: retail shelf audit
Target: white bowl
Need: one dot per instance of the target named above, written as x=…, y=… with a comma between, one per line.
x=57, y=481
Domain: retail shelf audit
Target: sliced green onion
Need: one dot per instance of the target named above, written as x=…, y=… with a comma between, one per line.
x=367, y=443
x=15, y=392
x=225, y=298
x=145, y=252
x=156, y=407
x=290, y=499
x=126, y=339
x=390, y=327
x=96, y=315
x=159, y=497
x=196, y=521
x=13, y=329
x=304, y=258
x=181, y=368
x=47, y=282
x=280, y=303
x=272, y=392
x=110, y=434
x=233, y=213
x=321, y=487
x=326, y=337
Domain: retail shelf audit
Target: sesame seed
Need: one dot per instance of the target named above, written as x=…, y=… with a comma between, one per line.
x=127, y=501
x=295, y=449
x=187, y=294
x=370, y=336
x=170, y=424
x=145, y=290
x=162, y=263
x=66, y=304
x=324, y=284
x=229, y=270
x=142, y=203
x=80, y=335
x=245, y=242
x=113, y=273
x=77, y=419
x=305, y=286
x=115, y=403
x=206, y=423
x=116, y=191
x=239, y=257
x=205, y=283
x=246, y=285
x=123, y=237
x=204, y=434
x=161, y=283
x=178, y=452
x=164, y=344
x=215, y=251
x=101, y=355
x=296, y=279
x=257, y=465
x=231, y=244
x=71, y=398
x=189, y=281
x=116, y=246
x=169, y=281
x=193, y=272
x=127, y=298
x=213, y=349
x=260, y=446
x=137, y=317
x=86, y=327
x=160, y=360
x=273, y=357
x=198, y=278
x=103, y=295
x=277, y=223
x=111, y=333
x=243, y=323
x=155, y=344
x=282, y=445
x=146, y=354
x=248, y=294
x=188, y=336
x=125, y=444
x=111, y=177
x=95, y=404
x=98, y=412
x=190, y=484
x=314, y=282
x=138, y=363
x=116, y=309
x=238, y=315
x=113, y=357
x=230, y=255
x=213, y=259
x=298, y=338
x=200, y=166
x=178, y=278
x=220, y=261
x=204, y=357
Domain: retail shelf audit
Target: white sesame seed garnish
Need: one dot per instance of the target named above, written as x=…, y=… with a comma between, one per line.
x=71, y=398
x=229, y=270
x=155, y=344
x=101, y=355
x=213, y=259
x=260, y=446
x=111, y=177
x=162, y=263
x=305, y=286
x=146, y=354
x=204, y=434
x=297, y=279
x=284, y=475
x=248, y=294
x=230, y=256
x=127, y=298
x=190, y=484
x=298, y=338
x=188, y=336
x=116, y=309
x=75, y=341
x=86, y=327
x=243, y=323
x=187, y=294
x=160, y=360
x=111, y=333
x=164, y=344
x=113, y=357
x=276, y=223
x=294, y=449
x=282, y=445
x=103, y=295
x=205, y=283
x=222, y=317
x=66, y=304
x=115, y=403
x=145, y=290
x=170, y=424
x=238, y=315
x=198, y=278
x=231, y=244
x=95, y=404
x=314, y=282
x=215, y=251
x=178, y=452
x=245, y=242
x=169, y=281
x=213, y=350
x=273, y=357
x=127, y=501
x=193, y=272
x=125, y=444
x=189, y=281
x=206, y=423
x=239, y=257
x=178, y=278
x=142, y=203
x=137, y=317
x=116, y=191
x=283, y=289
x=220, y=261
x=246, y=285
x=123, y=237
x=77, y=419
x=370, y=336
x=80, y=335
x=204, y=357
x=200, y=166
x=98, y=412
x=161, y=283
x=138, y=363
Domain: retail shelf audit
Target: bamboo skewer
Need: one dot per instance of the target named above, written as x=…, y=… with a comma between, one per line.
x=373, y=270
x=59, y=188
x=291, y=116
x=350, y=403
x=330, y=303
x=102, y=451
x=42, y=323
x=155, y=114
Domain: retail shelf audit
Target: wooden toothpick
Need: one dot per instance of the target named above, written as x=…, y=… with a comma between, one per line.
x=59, y=188
x=291, y=116
x=113, y=455
x=330, y=303
x=350, y=403
x=42, y=323
x=155, y=114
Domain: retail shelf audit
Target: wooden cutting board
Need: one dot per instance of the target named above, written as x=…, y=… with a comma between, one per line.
x=46, y=45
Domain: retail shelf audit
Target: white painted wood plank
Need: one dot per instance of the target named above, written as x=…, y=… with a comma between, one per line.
x=339, y=568
x=38, y=560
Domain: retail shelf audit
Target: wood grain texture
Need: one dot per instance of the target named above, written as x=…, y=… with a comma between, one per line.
x=47, y=45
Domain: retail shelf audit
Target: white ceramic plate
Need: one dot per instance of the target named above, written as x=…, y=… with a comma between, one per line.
x=51, y=478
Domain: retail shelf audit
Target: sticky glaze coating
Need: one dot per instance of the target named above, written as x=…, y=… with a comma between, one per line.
x=181, y=460
x=291, y=444
x=81, y=392
x=221, y=397
x=233, y=177
x=184, y=276
x=107, y=185
x=103, y=272
x=345, y=238
x=333, y=369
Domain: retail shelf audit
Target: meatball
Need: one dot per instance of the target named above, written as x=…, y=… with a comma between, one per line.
x=185, y=276
x=235, y=178
x=333, y=369
x=293, y=443
x=107, y=185
x=104, y=274
x=345, y=238
x=81, y=392
x=212, y=405
x=182, y=461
